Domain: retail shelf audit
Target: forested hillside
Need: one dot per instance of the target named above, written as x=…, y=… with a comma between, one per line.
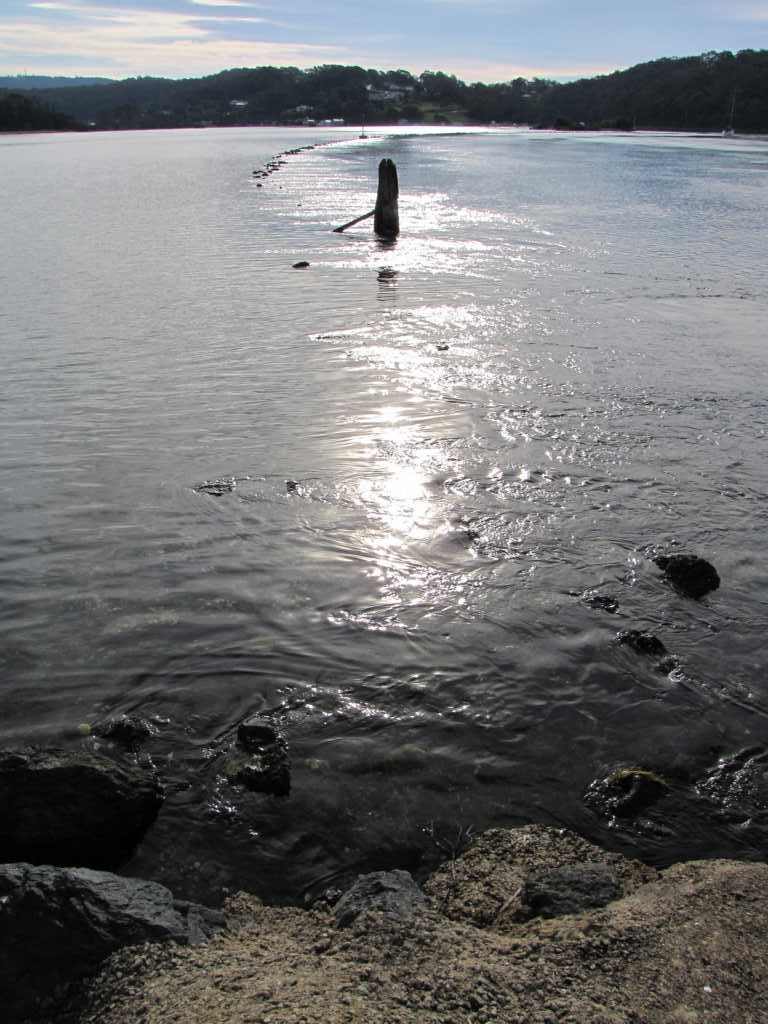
x=19, y=113
x=703, y=93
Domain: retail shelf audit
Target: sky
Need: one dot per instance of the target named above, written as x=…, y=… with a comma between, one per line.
x=477, y=40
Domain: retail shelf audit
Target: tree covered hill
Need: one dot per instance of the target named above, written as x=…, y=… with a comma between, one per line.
x=20, y=113
x=688, y=93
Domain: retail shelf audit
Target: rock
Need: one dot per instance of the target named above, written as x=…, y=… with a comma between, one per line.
x=624, y=792
x=570, y=889
x=689, y=574
x=641, y=643
x=216, y=488
x=291, y=486
x=255, y=733
x=605, y=602
x=485, y=886
x=300, y=265
x=58, y=924
x=73, y=808
x=267, y=769
x=442, y=348
x=393, y=892
x=129, y=731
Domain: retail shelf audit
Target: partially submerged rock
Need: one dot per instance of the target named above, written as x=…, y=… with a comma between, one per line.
x=641, y=642
x=73, y=808
x=129, y=731
x=603, y=602
x=216, y=488
x=256, y=732
x=266, y=765
x=625, y=792
x=394, y=893
x=300, y=265
x=691, y=575
x=58, y=924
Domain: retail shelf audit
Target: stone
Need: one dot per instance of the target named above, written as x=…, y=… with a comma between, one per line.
x=570, y=889
x=256, y=732
x=300, y=265
x=641, y=643
x=73, y=808
x=58, y=924
x=691, y=575
x=128, y=731
x=604, y=602
x=394, y=893
x=624, y=792
x=216, y=488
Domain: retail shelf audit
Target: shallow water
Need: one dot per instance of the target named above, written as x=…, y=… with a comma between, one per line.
x=410, y=611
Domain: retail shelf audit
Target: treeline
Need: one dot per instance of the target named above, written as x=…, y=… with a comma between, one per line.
x=24, y=114
x=701, y=93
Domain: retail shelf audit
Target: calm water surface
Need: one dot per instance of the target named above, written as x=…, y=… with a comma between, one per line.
x=410, y=612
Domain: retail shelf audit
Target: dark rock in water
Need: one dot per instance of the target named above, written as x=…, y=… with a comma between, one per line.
x=255, y=733
x=267, y=768
x=129, y=731
x=605, y=602
x=667, y=665
x=291, y=486
x=624, y=792
x=641, y=643
x=58, y=924
x=73, y=808
x=393, y=892
x=300, y=265
x=570, y=889
x=216, y=488
x=387, y=274
x=691, y=575
x=442, y=348
x=268, y=772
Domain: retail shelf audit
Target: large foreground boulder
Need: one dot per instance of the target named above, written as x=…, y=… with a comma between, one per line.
x=58, y=924
x=394, y=893
x=73, y=808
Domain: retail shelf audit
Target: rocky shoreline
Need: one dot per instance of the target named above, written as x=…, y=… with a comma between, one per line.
x=532, y=925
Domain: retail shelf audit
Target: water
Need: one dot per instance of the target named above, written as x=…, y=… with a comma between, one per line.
x=410, y=611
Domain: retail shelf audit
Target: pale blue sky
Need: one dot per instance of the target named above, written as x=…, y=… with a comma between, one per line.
x=478, y=40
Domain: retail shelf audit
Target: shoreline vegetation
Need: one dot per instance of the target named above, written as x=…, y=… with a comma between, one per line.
x=713, y=92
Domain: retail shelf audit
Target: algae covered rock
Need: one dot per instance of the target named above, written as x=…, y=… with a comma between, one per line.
x=625, y=792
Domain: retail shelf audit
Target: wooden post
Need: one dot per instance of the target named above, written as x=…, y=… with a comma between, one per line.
x=386, y=218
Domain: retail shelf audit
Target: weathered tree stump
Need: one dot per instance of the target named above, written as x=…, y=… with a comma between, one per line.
x=386, y=218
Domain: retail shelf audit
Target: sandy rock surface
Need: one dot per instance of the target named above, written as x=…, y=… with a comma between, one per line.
x=687, y=946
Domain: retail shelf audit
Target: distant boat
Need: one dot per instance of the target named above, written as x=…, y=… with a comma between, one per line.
x=362, y=134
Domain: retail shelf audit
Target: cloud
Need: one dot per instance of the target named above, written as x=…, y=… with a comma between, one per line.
x=124, y=42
